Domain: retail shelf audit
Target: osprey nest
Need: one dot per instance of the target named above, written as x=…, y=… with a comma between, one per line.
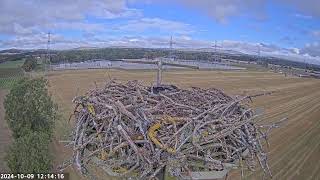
x=131, y=130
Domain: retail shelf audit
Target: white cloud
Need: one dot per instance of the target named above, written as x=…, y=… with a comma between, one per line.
x=302, y=16
x=316, y=33
x=313, y=49
x=87, y=27
x=156, y=24
x=26, y=21
x=306, y=7
x=220, y=10
x=296, y=50
x=31, y=41
x=17, y=29
x=186, y=38
x=43, y=14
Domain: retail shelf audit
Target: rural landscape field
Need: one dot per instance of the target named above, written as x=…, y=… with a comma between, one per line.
x=294, y=149
x=160, y=90
x=295, y=146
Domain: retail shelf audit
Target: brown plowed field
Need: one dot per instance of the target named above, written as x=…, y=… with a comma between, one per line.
x=295, y=147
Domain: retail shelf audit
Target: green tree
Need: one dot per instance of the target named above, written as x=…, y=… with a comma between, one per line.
x=30, y=108
x=29, y=64
x=29, y=154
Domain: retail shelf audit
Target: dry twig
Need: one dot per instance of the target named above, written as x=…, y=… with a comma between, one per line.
x=135, y=132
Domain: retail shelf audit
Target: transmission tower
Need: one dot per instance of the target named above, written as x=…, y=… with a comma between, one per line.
x=215, y=50
x=171, y=48
x=305, y=65
x=217, y=56
x=215, y=46
x=48, y=59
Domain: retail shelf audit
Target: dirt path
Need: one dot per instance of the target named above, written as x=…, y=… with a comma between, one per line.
x=5, y=134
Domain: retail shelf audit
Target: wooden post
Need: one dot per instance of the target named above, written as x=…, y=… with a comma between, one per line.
x=159, y=73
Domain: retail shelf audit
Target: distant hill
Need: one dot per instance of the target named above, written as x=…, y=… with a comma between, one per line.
x=12, y=51
x=226, y=51
x=85, y=48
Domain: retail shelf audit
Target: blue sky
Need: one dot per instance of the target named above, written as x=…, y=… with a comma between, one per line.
x=280, y=28
x=282, y=25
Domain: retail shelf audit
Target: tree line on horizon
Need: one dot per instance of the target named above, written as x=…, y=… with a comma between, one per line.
x=80, y=55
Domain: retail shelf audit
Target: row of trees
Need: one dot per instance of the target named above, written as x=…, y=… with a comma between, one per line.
x=126, y=53
x=137, y=53
x=30, y=114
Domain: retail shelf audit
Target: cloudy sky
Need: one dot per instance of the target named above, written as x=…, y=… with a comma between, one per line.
x=285, y=28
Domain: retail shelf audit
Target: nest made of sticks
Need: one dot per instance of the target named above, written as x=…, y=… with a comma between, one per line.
x=130, y=131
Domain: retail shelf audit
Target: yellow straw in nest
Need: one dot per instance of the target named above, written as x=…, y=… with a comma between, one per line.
x=91, y=109
x=104, y=154
x=152, y=133
x=119, y=170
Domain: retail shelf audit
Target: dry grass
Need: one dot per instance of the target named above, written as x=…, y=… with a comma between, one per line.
x=295, y=148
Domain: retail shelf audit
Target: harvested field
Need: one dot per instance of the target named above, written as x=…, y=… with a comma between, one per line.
x=295, y=147
x=10, y=72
